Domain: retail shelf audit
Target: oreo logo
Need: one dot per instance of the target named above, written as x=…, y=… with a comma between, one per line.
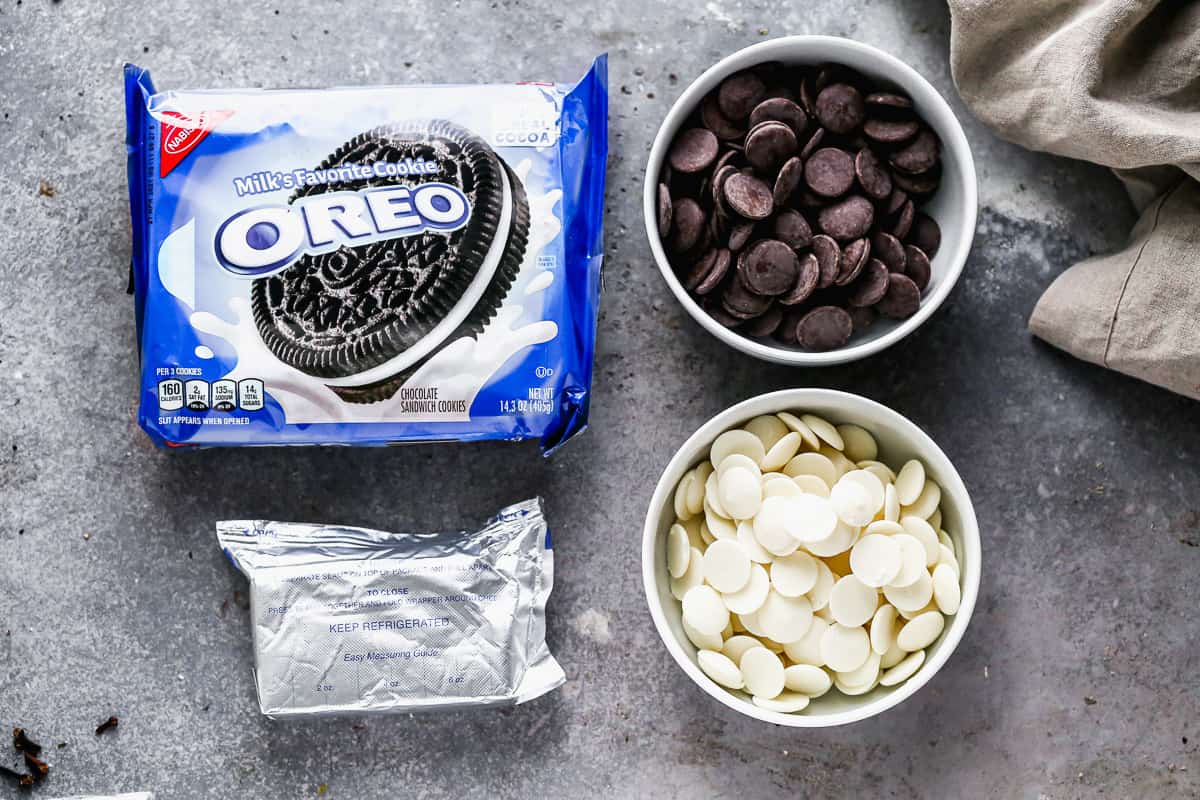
x=264, y=240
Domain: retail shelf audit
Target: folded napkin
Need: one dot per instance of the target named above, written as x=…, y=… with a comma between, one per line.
x=1115, y=82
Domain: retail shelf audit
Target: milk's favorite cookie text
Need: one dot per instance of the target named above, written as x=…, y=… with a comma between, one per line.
x=267, y=180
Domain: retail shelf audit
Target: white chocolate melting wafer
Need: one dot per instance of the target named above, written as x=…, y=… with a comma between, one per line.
x=679, y=551
x=750, y=597
x=910, y=480
x=763, y=672
x=824, y=430
x=736, y=441
x=720, y=668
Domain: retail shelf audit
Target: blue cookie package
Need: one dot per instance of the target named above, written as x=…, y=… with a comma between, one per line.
x=366, y=266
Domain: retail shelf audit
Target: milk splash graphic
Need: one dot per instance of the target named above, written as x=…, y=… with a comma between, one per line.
x=459, y=370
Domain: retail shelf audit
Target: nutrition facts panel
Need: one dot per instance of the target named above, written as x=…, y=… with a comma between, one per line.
x=200, y=395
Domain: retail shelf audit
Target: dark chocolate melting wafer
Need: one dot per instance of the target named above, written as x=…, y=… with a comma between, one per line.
x=786, y=332
x=791, y=228
x=888, y=100
x=903, y=220
x=897, y=199
x=740, y=235
x=829, y=172
x=693, y=150
x=861, y=317
x=813, y=143
x=730, y=158
x=829, y=255
x=926, y=234
x=664, y=211
x=717, y=272
x=739, y=94
x=782, y=110
x=824, y=328
x=718, y=123
x=918, y=267
x=871, y=285
x=889, y=250
x=762, y=326
x=924, y=184
x=839, y=108
x=749, y=196
x=769, y=144
x=722, y=316
x=890, y=131
x=902, y=298
x=768, y=267
x=919, y=155
x=847, y=219
x=853, y=259
x=699, y=270
x=739, y=300
x=689, y=222
x=718, y=184
x=789, y=178
x=806, y=281
x=874, y=179
x=719, y=223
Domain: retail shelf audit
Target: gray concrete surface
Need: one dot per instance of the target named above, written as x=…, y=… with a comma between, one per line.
x=1077, y=677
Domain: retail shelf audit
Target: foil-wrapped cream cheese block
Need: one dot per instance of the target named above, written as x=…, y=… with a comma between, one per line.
x=351, y=620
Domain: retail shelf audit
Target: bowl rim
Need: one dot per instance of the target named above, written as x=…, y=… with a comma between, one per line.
x=819, y=48
x=790, y=399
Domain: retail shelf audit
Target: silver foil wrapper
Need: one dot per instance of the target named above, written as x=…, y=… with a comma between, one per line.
x=352, y=620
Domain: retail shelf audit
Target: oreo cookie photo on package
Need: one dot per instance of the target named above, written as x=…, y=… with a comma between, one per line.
x=366, y=266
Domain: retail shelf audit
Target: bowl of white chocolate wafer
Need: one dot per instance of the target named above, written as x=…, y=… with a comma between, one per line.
x=810, y=557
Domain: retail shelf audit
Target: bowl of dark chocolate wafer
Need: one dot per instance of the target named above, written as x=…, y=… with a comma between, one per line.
x=810, y=200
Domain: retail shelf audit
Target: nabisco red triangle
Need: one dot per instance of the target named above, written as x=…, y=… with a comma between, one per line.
x=180, y=133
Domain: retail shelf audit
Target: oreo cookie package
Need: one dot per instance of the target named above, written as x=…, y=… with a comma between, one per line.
x=366, y=266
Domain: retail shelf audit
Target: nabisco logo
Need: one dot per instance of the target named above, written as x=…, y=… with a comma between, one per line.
x=180, y=133
x=175, y=137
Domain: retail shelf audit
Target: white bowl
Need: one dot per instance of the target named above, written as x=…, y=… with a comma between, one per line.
x=899, y=440
x=953, y=206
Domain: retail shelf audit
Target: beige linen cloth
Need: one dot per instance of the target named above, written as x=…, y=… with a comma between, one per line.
x=1116, y=83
